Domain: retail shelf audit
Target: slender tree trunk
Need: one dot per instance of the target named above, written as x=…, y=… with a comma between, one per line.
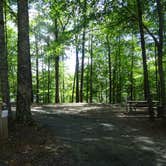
x=156, y=74
x=43, y=82
x=119, y=76
x=77, y=74
x=57, y=79
x=73, y=89
x=131, y=71
x=24, y=82
x=83, y=52
x=91, y=71
x=131, y=77
x=82, y=67
x=145, y=70
x=49, y=80
x=114, y=85
x=87, y=83
x=160, y=11
x=56, y=67
x=37, y=69
x=110, y=71
x=3, y=58
x=4, y=62
x=63, y=82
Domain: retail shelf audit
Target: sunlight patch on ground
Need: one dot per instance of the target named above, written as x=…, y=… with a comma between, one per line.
x=91, y=139
x=69, y=108
x=145, y=140
x=107, y=126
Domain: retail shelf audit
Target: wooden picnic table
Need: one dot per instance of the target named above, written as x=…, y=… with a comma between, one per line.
x=131, y=104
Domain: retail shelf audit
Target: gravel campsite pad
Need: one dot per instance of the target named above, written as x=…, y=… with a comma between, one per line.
x=83, y=134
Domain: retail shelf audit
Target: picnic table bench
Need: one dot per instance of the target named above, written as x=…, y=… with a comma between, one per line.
x=140, y=104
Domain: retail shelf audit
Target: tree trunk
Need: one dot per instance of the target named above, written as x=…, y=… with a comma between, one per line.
x=156, y=74
x=57, y=79
x=131, y=71
x=48, y=81
x=24, y=82
x=82, y=66
x=160, y=11
x=145, y=70
x=110, y=71
x=37, y=69
x=77, y=74
x=73, y=88
x=83, y=52
x=91, y=71
x=56, y=67
x=4, y=63
x=87, y=83
x=63, y=82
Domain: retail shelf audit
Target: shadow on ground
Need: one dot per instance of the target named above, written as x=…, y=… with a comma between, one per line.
x=102, y=135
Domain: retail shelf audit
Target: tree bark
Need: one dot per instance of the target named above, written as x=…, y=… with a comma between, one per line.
x=82, y=66
x=24, y=81
x=37, y=69
x=91, y=71
x=73, y=88
x=83, y=52
x=147, y=94
x=131, y=71
x=160, y=53
x=4, y=63
x=48, y=81
x=56, y=66
x=110, y=70
x=77, y=73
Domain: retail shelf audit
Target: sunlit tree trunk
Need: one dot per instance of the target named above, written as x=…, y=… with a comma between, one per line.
x=24, y=82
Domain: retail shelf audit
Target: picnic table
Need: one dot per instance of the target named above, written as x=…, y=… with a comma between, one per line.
x=132, y=105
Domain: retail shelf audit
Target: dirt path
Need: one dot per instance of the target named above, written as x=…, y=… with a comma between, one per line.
x=100, y=135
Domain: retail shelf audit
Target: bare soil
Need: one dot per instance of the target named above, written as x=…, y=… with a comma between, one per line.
x=86, y=135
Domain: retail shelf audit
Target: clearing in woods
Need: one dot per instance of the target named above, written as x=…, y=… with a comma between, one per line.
x=103, y=135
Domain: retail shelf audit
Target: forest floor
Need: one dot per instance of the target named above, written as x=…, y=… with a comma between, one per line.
x=86, y=135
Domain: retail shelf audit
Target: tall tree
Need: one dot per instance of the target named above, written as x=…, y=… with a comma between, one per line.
x=4, y=62
x=109, y=68
x=37, y=68
x=144, y=58
x=83, y=51
x=24, y=80
x=56, y=66
x=91, y=70
x=160, y=11
x=77, y=71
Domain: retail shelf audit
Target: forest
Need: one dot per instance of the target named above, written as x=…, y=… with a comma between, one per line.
x=115, y=47
x=108, y=52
